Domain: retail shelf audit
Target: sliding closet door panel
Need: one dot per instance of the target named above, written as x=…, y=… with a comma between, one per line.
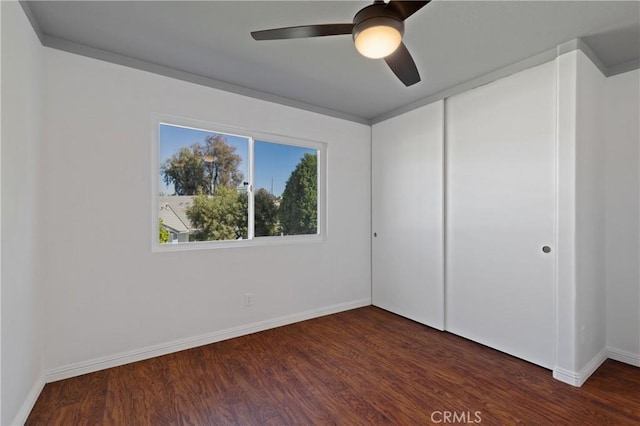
x=407, y=173
x=500, y=207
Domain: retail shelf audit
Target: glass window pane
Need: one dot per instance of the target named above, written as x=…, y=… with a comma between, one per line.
x=286, y=189
x=203, y=195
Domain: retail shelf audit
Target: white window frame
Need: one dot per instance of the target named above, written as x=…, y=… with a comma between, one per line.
x=252, y=135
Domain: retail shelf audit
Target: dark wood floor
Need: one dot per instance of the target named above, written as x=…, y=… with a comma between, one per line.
x=361, y=367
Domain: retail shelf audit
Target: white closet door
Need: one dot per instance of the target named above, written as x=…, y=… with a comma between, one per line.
x=407, y=218
x=500, y=207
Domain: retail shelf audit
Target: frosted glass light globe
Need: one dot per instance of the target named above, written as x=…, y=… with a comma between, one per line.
x=378, y=41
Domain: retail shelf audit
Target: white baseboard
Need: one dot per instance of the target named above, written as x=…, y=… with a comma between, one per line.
x=29, y=401
x=115, y=360
x=624, y=356
x=578, y=378
x=566, y=376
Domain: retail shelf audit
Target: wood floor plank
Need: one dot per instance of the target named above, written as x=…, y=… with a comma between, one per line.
x=360, y=367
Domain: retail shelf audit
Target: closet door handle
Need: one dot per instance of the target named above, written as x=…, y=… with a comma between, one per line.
x=546, y=249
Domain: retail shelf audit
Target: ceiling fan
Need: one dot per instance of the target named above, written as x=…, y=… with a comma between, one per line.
x=377, y=32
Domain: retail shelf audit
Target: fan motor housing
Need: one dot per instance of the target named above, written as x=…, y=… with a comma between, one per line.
x=373, y=15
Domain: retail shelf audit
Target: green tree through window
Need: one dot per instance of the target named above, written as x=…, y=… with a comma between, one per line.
x=202, y=167
x=299, y=207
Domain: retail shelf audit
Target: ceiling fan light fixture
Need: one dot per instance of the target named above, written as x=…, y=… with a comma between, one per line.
x=378, y=37
x=377, y=32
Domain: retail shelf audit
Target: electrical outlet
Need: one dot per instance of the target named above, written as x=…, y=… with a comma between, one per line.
x=582, y=335
x=248, y=299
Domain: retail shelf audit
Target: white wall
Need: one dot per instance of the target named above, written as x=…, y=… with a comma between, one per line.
x=566, y=225
x=590, y=215
x=581, y=329
x=106, y=292
x=21, y=308
x=598, y=300
x=622, y=115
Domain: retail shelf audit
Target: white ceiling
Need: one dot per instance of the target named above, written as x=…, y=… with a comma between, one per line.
x=451, y=42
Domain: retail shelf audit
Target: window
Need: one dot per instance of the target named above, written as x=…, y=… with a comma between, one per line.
x=217, y=187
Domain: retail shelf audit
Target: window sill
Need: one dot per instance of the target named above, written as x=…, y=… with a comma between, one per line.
x=256, y=242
